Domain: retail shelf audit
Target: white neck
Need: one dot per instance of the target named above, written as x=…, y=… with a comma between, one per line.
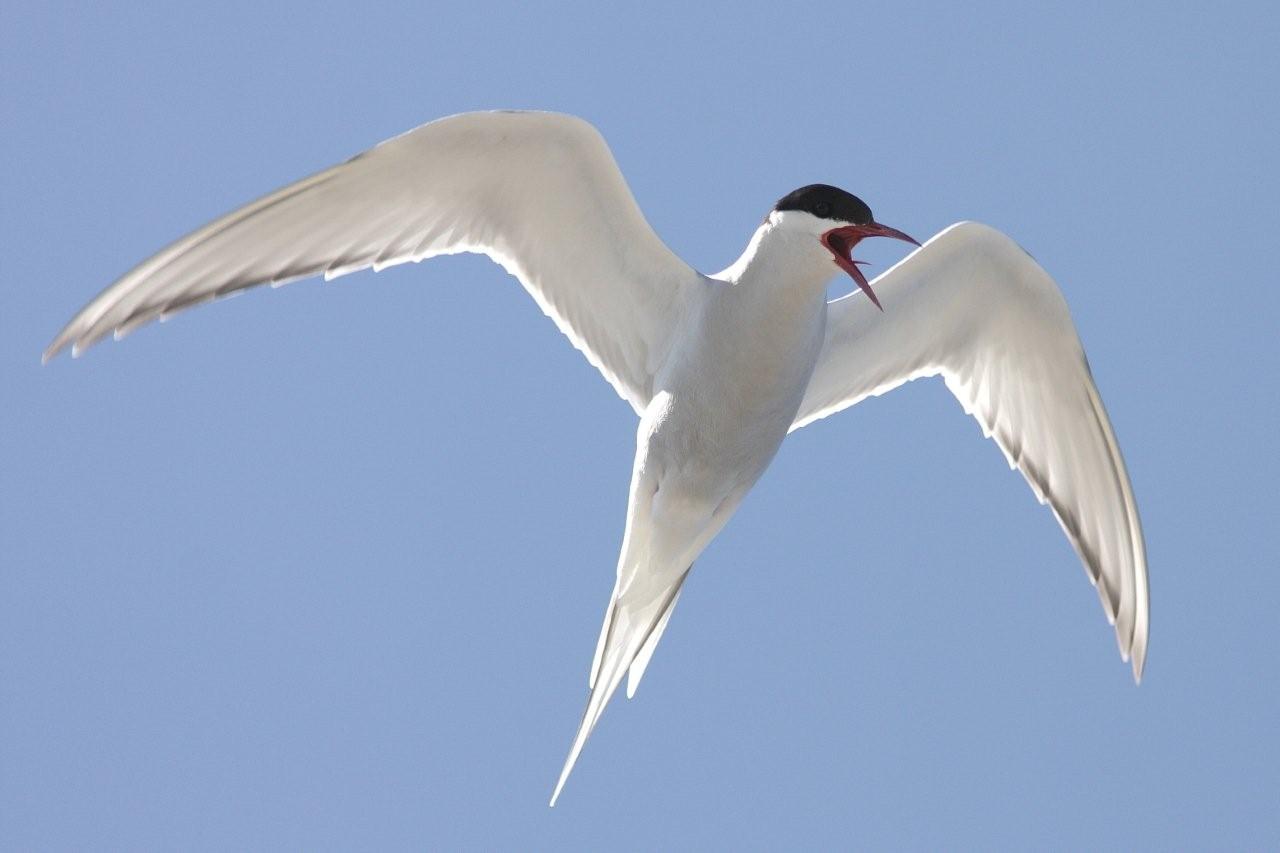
x=782, y=255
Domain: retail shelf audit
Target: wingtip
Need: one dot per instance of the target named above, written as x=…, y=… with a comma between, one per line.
x=55, y=346
x=1141, y=639
x=1136, y=657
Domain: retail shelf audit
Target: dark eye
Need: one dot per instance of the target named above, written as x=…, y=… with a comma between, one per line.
x=822, y=209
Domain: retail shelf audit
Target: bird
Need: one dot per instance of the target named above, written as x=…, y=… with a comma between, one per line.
x=718, y=368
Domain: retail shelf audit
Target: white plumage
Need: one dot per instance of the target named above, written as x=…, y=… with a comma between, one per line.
x=719, y=368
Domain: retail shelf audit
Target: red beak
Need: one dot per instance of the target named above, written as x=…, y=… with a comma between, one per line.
x=840, y=242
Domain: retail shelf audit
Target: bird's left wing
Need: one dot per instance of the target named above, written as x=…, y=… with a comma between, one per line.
x=539, y=193
x=972, y=306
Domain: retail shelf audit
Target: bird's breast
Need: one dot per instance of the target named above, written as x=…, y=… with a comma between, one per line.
x=737, y=377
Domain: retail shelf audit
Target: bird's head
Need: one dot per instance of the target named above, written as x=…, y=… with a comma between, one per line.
x=837, y=219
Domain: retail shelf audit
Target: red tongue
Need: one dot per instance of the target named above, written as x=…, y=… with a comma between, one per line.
x=840, y=242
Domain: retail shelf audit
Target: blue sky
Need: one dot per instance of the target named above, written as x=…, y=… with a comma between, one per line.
x=323, y=567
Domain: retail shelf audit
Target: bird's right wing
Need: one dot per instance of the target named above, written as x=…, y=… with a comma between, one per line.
x=972, y=306
x=539, y=193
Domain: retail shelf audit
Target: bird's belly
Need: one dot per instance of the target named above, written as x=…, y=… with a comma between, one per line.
x=721, y=426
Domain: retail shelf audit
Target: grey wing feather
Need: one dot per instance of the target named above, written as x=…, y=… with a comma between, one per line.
x=975, y=308
x=539, y=193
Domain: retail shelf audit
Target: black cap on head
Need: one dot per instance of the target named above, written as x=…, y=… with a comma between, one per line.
x=826, y=202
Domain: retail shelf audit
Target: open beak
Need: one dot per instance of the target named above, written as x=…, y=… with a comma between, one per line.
x=840, y=242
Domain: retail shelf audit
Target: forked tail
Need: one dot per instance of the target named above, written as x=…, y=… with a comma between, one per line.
x=631, y=630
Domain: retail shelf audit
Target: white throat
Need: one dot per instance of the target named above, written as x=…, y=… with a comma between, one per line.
x=785, y=251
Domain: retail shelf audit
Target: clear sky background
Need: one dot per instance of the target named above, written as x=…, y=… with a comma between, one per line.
x=323, y=567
